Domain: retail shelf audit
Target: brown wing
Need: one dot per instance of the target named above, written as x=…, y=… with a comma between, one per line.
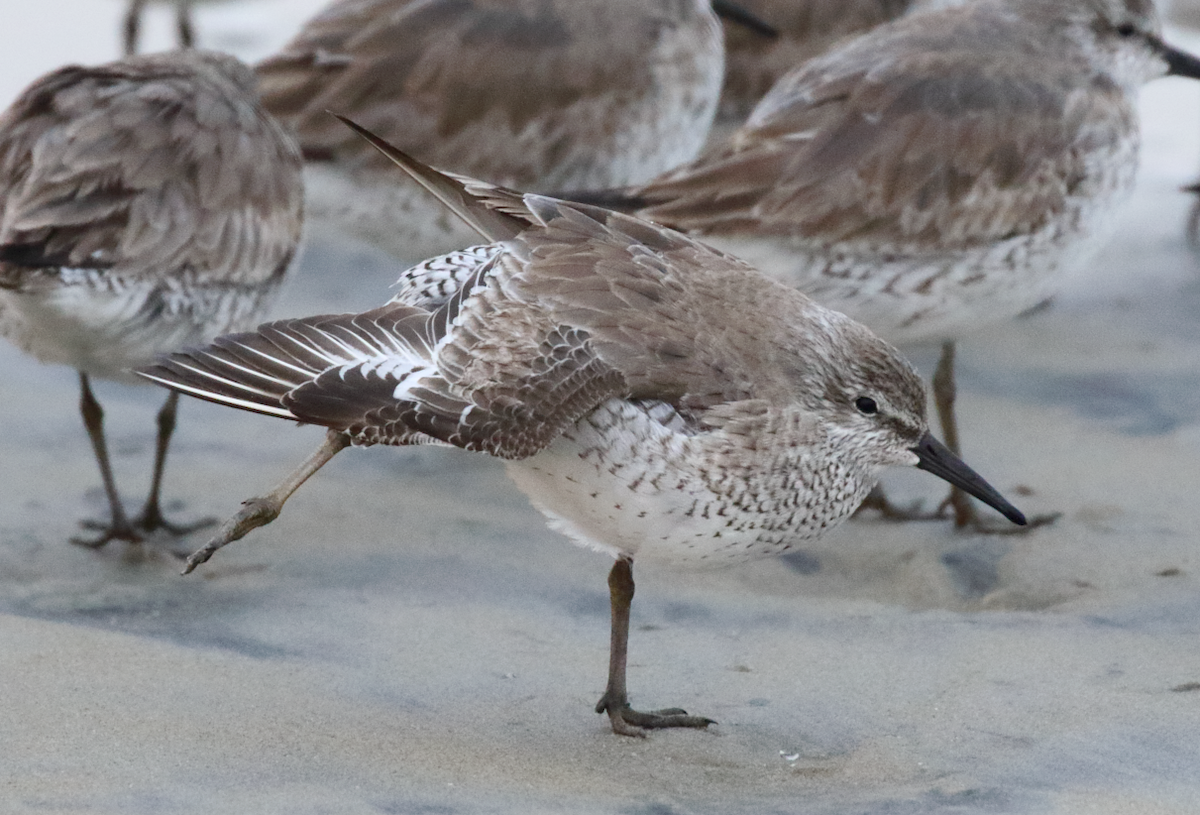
x=148, y=166
x=806, y=28
x=579, y=305
x=676, y=320
x=604, y=307
x=511, y=91
x=908, y=138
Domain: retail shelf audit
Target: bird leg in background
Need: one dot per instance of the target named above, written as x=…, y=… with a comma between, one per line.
x=260, y=511
x=966, y=516
x=1193, y=221
x=93, y=421
x=133, y=25
x=152, y=518
x=615, y=701
x=945, y=392
x=183, y=24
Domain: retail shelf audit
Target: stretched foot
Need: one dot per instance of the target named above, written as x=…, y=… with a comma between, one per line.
x=255, y=512
x=629, y=722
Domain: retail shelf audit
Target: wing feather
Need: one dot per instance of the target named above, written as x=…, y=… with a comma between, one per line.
x=520, y=93
x=905, y=140
x=582, y=306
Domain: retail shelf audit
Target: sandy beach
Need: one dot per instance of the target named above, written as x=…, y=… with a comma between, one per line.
x=409, y=637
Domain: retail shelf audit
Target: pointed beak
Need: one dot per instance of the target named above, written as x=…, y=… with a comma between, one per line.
x=936, y=458
x=736, y=14
x=1179, y=63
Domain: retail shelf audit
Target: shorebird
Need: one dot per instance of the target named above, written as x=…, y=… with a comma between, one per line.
x=807, y=28
x=939, y=173
x=655, y=399
x=146, y=204
x=536, y=94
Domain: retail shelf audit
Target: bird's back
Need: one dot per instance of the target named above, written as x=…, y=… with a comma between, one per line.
x=143, y=203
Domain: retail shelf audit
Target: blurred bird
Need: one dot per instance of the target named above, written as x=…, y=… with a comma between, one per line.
x=538, y=94
x=940, y=173
x=807, y=28
x=145, y=205
x=185, y=32
x=654, y=398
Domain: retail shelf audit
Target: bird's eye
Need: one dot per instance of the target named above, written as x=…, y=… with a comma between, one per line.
x=866, y=405
x=1127, y=30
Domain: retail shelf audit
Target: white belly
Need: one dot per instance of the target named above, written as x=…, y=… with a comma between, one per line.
x=105, y=328
x=625, y=484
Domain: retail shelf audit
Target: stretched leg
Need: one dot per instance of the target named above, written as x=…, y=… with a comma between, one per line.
x=615, y=701
x=93, y=421
x=152, y=518
x=260, y=511
x=133, y=24
x=183, y=24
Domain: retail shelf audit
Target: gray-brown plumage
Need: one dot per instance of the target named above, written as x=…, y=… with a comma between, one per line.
x=145, y=205
x=537, y=94
x=653, y=397
x=940, y=173
x=806, y=29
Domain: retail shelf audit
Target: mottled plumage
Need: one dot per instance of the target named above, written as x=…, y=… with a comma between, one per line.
x=806, y=29
x=145, y=205
x=940, y=173
x=655, y=398
x=537, y=94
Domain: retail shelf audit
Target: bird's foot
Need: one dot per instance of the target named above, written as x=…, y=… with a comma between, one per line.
x=629, y=722
x=968, y=519
x=957, y=506
x=877, y=501
x=119, y=529
x=255, y=512
x=152, y=521
x=145, y=528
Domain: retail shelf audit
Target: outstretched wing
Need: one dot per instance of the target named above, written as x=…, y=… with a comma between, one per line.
x=382, y=378
x=575, y=305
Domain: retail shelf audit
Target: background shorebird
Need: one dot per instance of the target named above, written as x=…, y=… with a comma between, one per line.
x=654, y=398
x=940, y=173
x=538, y=94
x=806, y=29
x=145, y=205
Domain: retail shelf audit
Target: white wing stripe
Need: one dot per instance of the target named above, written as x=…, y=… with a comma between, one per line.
x=256, y=407
x=254, y=372
x=232, y=383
